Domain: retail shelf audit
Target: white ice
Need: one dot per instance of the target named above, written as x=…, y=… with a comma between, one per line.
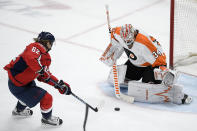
x=81, y=35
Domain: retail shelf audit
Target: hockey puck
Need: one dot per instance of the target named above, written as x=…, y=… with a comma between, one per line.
x=117, y=109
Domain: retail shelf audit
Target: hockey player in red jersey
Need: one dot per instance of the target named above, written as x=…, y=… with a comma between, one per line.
x=33, y=64
x=146, y=62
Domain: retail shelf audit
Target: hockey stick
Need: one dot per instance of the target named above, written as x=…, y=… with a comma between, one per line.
x=94, y=109
x=87, y=105
x=85, y=119
x=118, y=94
x=57, y=85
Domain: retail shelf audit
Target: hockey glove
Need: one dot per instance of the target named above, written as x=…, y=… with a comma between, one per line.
x=65, y=88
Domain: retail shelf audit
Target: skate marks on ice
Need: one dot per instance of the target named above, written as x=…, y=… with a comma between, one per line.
x=190, y=88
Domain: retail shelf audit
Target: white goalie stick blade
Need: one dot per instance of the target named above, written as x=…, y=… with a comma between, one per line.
x=118, y=94
x=126, y=98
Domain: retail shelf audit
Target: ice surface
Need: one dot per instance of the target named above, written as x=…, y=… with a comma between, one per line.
x=81, y=35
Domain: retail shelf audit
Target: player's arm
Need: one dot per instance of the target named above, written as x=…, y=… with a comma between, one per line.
x=66, y=87
x=33, y=55
x=46, y=76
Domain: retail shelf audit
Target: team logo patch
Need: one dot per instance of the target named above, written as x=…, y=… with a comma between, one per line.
x=132, y=56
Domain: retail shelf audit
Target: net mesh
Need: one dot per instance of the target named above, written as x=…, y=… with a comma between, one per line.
x=185, y=32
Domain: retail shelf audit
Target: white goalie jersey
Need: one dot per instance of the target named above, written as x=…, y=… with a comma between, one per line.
x=145, y=51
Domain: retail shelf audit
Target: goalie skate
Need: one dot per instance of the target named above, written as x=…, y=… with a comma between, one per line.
x=25, y=113
x=187, y=99
x=53, y=121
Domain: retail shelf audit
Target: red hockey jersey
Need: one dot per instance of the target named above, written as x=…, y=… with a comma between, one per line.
x=25, y=68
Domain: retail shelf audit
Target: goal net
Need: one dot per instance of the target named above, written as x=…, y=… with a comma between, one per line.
x=183, y=36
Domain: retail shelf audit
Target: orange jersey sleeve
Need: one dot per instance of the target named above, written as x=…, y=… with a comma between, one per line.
x=154, y=47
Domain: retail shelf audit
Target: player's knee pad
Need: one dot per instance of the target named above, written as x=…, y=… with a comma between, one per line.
x=121, y=69
x=46, y=103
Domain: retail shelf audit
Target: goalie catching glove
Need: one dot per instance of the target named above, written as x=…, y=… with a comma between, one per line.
x=65, y=87
x=167, y=76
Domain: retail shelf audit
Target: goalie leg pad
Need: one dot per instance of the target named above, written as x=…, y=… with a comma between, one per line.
x=121, y=69
x=177, y=94
x=155, y=93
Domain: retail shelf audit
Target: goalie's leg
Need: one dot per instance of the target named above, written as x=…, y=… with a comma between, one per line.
x=157, y=93
x=121, y=69
x=126, y=73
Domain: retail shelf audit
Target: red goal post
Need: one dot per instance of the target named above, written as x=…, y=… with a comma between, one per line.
x=183, y=35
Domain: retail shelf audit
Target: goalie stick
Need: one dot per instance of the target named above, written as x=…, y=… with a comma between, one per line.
x=118, y=94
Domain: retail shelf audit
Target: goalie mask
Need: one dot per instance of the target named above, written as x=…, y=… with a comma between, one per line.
x=127, y=34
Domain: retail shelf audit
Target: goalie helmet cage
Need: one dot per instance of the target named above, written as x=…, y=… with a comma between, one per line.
x=183, y=36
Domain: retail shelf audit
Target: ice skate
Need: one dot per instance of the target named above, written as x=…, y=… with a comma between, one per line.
x=25, y=113
x=53, y=121
x=186, y=99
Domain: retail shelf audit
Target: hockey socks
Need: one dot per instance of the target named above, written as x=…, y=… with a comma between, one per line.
x=20, y=106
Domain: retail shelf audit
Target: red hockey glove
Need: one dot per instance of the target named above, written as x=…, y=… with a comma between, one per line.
x=66, y=88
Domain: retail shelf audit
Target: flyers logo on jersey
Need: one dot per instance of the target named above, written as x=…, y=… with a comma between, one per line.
x=132, y=56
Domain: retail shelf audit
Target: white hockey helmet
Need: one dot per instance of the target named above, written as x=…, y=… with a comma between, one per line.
x=127, y=33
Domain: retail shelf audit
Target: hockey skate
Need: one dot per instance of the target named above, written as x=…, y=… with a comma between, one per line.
x=186, y=99
x=25, y=113
x=53, y=121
